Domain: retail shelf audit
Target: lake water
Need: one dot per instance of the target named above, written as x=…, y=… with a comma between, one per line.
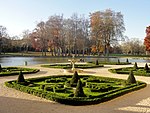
x=19, y=61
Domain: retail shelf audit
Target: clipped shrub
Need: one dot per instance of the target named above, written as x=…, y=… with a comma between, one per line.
x=135, y=66
x=127, y=60
x=146, y=67
x=131, y=79
x=118, y=61
x=79, y=90
x=0, y=67
x=21, y=77
x=74, y=79
x=96, y=63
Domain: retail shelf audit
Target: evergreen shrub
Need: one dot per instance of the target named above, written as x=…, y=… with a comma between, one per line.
x=0, y=68
x=135, y=66
x=74, y=79
x=79, y=90
x=21, y=77
x=146, y=67
x=131, y=79
x=96, y=63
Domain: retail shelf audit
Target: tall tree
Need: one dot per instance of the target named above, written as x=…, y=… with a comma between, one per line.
x=56, y=37
x=40, y=37
x=147, y=40
x=106, y=27
x=3, y=38
x=26, y=41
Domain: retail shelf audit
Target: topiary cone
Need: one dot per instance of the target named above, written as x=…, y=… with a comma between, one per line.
x=79, y=90
x=96, y=63
x=21, y=77
x=131, y=79
x=146, y=67
x=135, y=66
x=75, y=78
x=118, y=61
x=127, y=60
x=0, y=67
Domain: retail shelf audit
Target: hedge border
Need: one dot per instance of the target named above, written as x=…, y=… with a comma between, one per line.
x=30, y=71
x=119, y=71
x=112, y=63
x=76, y=101
x=64, y=66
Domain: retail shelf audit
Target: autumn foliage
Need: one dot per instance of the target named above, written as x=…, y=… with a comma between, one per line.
x=147, y=39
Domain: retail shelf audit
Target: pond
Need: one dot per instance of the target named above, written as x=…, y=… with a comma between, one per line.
x=19, y=61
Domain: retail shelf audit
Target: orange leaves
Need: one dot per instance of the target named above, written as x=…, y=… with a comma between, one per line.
x=147, y=39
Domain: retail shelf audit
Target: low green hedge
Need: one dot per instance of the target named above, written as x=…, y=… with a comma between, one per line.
x=140, y=71
x=45, y=91
x=68, y=66
x=111, y=63
x=8, y=71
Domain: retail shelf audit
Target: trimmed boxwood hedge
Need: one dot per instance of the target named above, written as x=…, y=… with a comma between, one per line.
x=112, y=63
x=70, y=100
x=8, y=71
x=126, y=70
x=68, y=66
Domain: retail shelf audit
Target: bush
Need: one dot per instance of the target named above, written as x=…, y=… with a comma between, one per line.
x=127, y=61
x=0, y=67
x=79, y=90
x=74, y=79
x=21, y=77
x=118, y=61
x=131, y=78
x=146, y=67
x=96, y=63
x=135, y=66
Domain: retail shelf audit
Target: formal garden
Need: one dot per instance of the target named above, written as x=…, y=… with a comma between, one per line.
x=86, y=65
x=76, y=89
x=140, y=71
x=8, y=71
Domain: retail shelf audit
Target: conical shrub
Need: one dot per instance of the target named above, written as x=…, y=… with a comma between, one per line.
x=74, y=79
x=135, y=66
x=146, y=67
x=21, y=77
x=0, y=67
x=96, y=62
x=118, y=61
x=131, y=79
x=127, y=60
x=79, y=90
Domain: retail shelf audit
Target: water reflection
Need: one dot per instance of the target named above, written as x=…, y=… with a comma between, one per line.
x=19, y=61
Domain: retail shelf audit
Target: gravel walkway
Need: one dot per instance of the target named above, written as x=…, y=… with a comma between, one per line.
x=13, y=101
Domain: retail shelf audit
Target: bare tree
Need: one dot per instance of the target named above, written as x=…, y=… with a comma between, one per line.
x=26, y=41
x=3, y=38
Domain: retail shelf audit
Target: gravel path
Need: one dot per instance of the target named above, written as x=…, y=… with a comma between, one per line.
x=13, y=101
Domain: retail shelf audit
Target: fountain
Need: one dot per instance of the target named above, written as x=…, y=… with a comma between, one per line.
x=73, y=61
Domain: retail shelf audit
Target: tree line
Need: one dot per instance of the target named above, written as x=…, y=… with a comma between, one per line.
x=99, y=34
